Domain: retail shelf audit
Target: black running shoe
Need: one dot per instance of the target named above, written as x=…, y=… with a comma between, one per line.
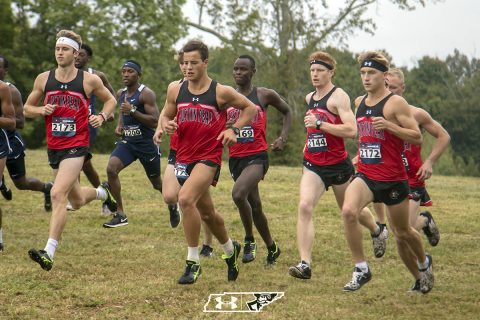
x=301, y=271
x=206, y=251
x=431, y=229
x=416, y=287
x=110, y=201
x=48, y=199
x=249, y=251
x=191, y=274
x=273, y=255
x=174, y=215
x=6, y=191
x=119, y=219
x=232, y=262
x=42, y=258
x=427, y=280
x=359, y=278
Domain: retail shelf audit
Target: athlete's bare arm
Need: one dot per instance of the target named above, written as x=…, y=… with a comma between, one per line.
x=338, y=103
x=272, y=98
x=157, y=137
x=101, y=92
x=442, y=140
x=31, y=109
x=170, y=110
x=227, y=96
x=18, y=107
x=7, y=120
x=399, y=120
x=150, y=117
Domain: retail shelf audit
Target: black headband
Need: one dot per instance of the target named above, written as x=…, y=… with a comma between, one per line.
x=374, y=64
x=133, y=65
x=326, y=65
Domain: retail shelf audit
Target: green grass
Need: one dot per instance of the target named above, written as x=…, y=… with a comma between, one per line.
x=131, y=272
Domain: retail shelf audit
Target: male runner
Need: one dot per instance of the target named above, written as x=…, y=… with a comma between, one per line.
x=67, y=91
x=7, y=122
x=139, y=115
x=329, y=121
x=249, y=158
x=200, y=123
x=417, y=170
x=81, y=62
x=384, y=122
x=16, y=158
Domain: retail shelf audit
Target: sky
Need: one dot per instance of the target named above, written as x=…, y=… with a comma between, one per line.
x=435, y=30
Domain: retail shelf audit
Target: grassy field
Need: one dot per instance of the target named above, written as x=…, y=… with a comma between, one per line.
x=132, y=272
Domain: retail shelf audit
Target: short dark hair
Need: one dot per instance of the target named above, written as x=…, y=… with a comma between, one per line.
x=196, y=45
x=249, y=57
x=87, y=48
x=5, y=62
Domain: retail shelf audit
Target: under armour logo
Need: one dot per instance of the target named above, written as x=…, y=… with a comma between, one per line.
x=195, y=99
x=315, y=105
x=369, y=112
x=367, y=64
x=220, y=303
x=394, y=194
x=63, y=86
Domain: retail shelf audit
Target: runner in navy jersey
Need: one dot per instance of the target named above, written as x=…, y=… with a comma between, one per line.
x=65, y=108
x=249, y=158
x=329, y=120
x=196, y=109
x=384, y=122
x=139, y=117
x=16, y=158
x=82, y=61
x=7, y=122
x=417, y=170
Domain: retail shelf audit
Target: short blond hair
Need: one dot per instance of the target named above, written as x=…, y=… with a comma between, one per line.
x=396, y=72
x=71, y=35
x=375, y=56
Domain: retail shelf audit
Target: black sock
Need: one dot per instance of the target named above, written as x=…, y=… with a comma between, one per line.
x=273, y=247
x=249, y=239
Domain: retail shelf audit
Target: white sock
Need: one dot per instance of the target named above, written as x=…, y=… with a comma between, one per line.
x=362, y=266
x=1, y=235
x=228, y=247
x=51, y=247
x=423, y=265
x=193, y=254
x=101, y=194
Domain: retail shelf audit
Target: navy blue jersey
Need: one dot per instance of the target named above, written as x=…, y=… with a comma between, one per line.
x=135, y=133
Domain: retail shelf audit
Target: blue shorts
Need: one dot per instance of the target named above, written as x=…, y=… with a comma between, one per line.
x=16, y=167
x=93, y=132
x=5, y=148
x=127, y=154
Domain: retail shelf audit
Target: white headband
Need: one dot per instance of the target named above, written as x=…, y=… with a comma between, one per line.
x=68, y=42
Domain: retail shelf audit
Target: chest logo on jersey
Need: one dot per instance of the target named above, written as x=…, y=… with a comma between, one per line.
x=366, y=129
x=65, y=100
x=203, y=116
x=194, y=99
x=63, y=86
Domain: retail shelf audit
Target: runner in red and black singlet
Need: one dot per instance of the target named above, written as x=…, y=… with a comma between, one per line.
x=384, y=121
x=7, y=122
x=328, y=121
x=16, y=158
x=417, y=170
x=248, y=161
x=67, y=91
x=196, y=109
x=82, y=61
x=170, y=185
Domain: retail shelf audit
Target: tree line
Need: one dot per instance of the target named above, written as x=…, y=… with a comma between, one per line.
x=279, y=35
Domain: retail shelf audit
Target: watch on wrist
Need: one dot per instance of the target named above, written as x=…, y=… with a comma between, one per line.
x=132, y=111
x=318, y=123
x=235, y=130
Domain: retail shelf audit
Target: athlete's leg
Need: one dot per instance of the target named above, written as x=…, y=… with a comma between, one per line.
x=259, y=218
x=248, y=179
x=380, y=212
x=311, y=189
x=115, y=165
x=170, y=186
x=207, y=235
x=356, y=197
x=91, y=173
